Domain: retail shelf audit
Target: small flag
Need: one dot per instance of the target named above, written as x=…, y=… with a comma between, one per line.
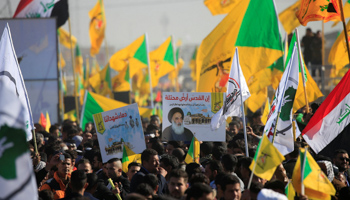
x=218, y=7
x=42, y=120
x=48, y=123
x=266, y=159
x=129, y=156
x=193, y=152
x=339, y=53
x=288, y=18
x=65, y=40
x=289, y=191
x=317, y=185
x=236, y=89
x=97, y=27
x=266, y=111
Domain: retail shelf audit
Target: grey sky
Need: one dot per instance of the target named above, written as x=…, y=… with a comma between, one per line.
x=189, y=20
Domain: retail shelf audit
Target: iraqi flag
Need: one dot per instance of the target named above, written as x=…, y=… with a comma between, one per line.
x=42, y=9
x=331, y=117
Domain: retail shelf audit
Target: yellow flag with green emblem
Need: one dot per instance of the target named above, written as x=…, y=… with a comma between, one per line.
x=129, y=156
x=162, y=61
x=316, y=183
x=266, y=159
x=258, y=49
x=193, y=152
x=135, y=55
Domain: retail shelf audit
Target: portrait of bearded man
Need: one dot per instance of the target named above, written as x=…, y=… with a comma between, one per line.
x=176, y=131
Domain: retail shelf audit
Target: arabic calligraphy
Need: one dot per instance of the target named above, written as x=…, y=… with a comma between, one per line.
x=185, y=97
x=107, y=118
x=344, y=113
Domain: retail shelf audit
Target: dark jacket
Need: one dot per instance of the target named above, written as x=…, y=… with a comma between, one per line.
x=138, y=178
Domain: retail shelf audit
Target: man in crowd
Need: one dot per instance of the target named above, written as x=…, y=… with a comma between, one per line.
x=59, y=182
x=115, y=169
x=341, y=161
x=133, y=168
x=177, y=183
x=150, y=164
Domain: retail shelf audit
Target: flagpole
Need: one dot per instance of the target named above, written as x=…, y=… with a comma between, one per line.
x=252, y=173
x=285, y=50
x=302, y=173
x=87, y=60
x=73, y=66
x=61, y=92
x=175, y=62
x=302, y=71
x=344, y=27
x=149, y=72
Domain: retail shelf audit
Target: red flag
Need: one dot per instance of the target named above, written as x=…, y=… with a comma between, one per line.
x=42, y=121
x=330, y=118
x=159, y=96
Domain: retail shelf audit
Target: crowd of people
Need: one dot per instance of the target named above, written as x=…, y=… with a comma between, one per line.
x=68, y=165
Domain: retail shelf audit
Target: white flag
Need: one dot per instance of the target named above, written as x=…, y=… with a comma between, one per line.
x=16, y=169
x=12, y=76
x=236, y=87
x=283, y=103
x=34, y=8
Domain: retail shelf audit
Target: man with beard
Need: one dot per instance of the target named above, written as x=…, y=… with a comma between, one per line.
x=176, y=131
x=177, y=184
x=341, y=161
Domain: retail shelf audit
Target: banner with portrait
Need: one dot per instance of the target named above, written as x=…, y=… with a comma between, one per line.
x=119, y=127
x=188, y=114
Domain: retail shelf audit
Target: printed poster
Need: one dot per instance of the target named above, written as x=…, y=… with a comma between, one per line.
x=188, y=114
x=118, y=127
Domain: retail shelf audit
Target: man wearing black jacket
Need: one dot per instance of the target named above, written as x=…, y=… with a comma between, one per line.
x=115, y=172
x=150, y=165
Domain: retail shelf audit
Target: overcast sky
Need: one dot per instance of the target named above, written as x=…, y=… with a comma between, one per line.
x=189, y=20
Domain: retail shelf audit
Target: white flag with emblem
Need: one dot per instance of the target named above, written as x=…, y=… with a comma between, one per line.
x=236, y=87
x=283, y=103
x=12, y=76
x=16, y=169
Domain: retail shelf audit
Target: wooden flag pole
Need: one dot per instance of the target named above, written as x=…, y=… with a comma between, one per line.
x=302, y=71
x=344, y=27
x=73, y=66
x=34, y=141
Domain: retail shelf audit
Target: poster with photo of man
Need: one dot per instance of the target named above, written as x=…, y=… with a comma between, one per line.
x=188, y=114
x=119, y=127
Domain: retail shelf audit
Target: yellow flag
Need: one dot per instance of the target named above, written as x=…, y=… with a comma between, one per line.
x=64, y=39
x=48, y=123
x=338, y=56
x=346, y=10
x=218, y=7
x=312, y=91
x=193, y=152
x=317, y=11
x=129, y=156
x=266, y=111
x=258, y=49
x=135, y=55
x=121, y=82
x=101, y=83
x=162, y=61
x=317, y=185
x=266, y=159
x=72, y=115
x=97, y=27
x=256, y=100
x=288, y=18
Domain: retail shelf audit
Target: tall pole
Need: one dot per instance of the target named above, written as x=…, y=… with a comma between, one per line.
x=73, y=66
x=302, y=71
x=149, y=72
x=344, y=27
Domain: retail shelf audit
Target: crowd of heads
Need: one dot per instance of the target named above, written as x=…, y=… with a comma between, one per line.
x=69, y=165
